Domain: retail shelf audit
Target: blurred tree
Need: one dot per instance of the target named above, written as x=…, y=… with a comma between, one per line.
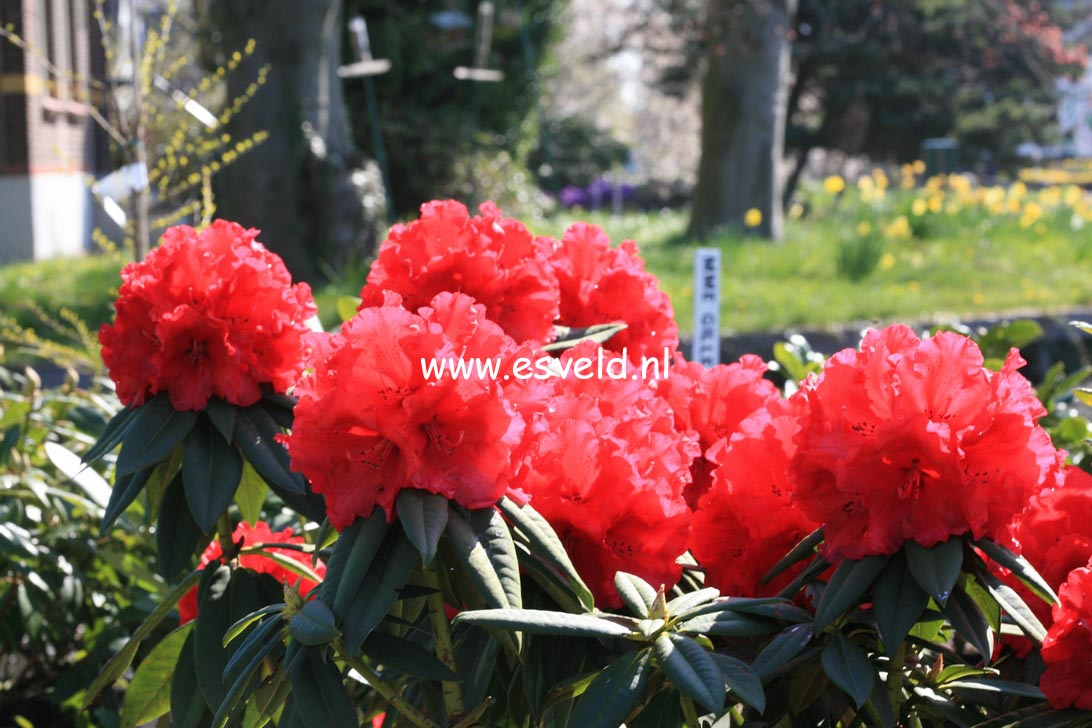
x=868, y=77
x=436, y=125
x=316, y=199
x=743, y=115
x=876, y=78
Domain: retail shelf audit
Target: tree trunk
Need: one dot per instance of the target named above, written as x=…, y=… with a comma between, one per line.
x=744, y=96
x=317, y=201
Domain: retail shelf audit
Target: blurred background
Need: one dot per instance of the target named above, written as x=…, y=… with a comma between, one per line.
x=853, y=159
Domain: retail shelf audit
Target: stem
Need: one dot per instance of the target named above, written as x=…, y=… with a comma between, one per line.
x=224, y=530
x=737, y=715
x=690, y=715
x=441, y=632
x=894, y=676
x=389, y=694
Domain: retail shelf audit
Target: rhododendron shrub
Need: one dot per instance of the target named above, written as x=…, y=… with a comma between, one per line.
x=914, y=440
x=476, y=547
x=600, y=284
x=370, y=423
x=604, y=464
x=713, y=402
x=489, y=257
x=746, y=520
x=260, y=562
x=209, y=313
x=1067, y=680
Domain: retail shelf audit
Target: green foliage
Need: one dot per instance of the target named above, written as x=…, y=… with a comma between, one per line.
x=479, y=120
x=65, y=595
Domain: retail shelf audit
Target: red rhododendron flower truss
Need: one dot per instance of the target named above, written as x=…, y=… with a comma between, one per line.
x=604, y=464
x=369, y=422
x=492, y=258
x=1054, y=533
x=745, y=522
x=912, y=439
x=713, y=402
x=250, y=536
x=207, y=314
x=600, y=284
x=1067, y=680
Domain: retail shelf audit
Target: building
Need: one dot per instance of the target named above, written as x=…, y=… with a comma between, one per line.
x=49, y=143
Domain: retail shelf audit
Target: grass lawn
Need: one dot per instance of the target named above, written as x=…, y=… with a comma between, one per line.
x=797, y=283
x=955, y=265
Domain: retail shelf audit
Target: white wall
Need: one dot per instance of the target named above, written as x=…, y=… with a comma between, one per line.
x=44, y=216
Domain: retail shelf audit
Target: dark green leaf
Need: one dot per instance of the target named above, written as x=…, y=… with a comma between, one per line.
x=186, y=712
x=728, y=623
x=241, y=669
x=1005, y=687
x=614, y=692
x=407, y=657
x=212, y=623
x=1020, y=567
x=222, y=415
x=799, y=552
x=742, y=681
x=847, y=665
x=259, y=641
x=476, y=658
x=846, y=586
x=969, y=622
x=423, y=517
x=540, y=534
x=11, y=436
x=484, y=545
x=241, y=625
x=211, y=470
x=387, y=574
x=691, y=669
x=936, y=569
x=637, y=593
x=313, y=624
x=898, y=603
x=566, y=337
x=1014, y=606
x=154, y=431
x=350, y=560
x=537, y=621
x=177, y=536
x=126, y=489
x=112, y=434
x=663, y=711
x=319, y=694
x=691, y=600
x=782, y=648
x=148, y=696
x=879, y=706
x=255, y=431
x=807, y=684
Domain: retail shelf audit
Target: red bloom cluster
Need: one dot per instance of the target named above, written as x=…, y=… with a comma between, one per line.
x=249, y=536
x=746, y=521
x=913, y=439
x=604, y=464
x=370, y=423
x=713, y=402
x=1054, y=533
x=209, y=313
x=489, y=257
x=600, y=284
x=1067, y=680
